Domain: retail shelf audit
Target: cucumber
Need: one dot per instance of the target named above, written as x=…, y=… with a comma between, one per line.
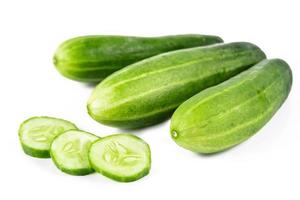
x=69, y=152
x=223, y=116
x=148, y=92
x=92, y=58
x=37, y=133
x=121, y=157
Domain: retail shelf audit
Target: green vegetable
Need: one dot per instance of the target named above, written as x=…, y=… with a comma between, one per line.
x=121, y=157
x=92, y=58
x=225, y=115
x=69, y=151
x=37, y=133
x=147, y=92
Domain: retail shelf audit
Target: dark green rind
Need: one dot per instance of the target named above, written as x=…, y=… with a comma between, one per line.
x=93, y=58
x=148, y=91
x=75, y=172
x=127, y=179
x=225, y=115
x=37, y=153
x=115, y=177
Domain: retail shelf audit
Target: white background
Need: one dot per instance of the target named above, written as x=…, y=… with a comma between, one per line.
x=266, y=166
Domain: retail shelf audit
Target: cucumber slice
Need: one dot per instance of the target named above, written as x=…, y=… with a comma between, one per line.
x=69, y=152
x=121, y=157
x=37, y=133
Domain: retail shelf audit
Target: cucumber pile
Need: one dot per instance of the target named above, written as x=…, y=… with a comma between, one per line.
x=217, y=94
x=121, y=157
x=148, y=92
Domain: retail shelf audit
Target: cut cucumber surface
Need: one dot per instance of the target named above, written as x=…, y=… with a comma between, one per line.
x=121, y=157
x=69, y=152
x=37, y=133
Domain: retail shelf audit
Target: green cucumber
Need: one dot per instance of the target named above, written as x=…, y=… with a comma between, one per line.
x=121, y=157
x=223, y=116
x=148, y=91
x=37, y=133
x=92, y=58
x=69, y=152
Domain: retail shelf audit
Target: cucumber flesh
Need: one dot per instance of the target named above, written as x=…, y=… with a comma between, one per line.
x=37, y=133
x=69, y=152
x=121, y=157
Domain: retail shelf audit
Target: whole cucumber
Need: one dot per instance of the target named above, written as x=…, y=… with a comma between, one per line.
x=149, y=91
x=223, y=116
x=92, y=58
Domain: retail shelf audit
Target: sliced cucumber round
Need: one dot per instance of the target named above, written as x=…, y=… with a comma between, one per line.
x=37, y=133
x=69, y=152
x=122, y=157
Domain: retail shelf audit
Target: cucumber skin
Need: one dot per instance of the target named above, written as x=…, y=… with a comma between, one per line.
x=75, y=172
x=198, y=124
x=92, y=58
x=34, y=152
x=201, y=67
x=140, y=175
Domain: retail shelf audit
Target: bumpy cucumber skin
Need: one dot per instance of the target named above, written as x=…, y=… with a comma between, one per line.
x=35, y=152
x=92, y=58
x=226, y=115
x=75, y=172
x=115, y=177
x=148, y=91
